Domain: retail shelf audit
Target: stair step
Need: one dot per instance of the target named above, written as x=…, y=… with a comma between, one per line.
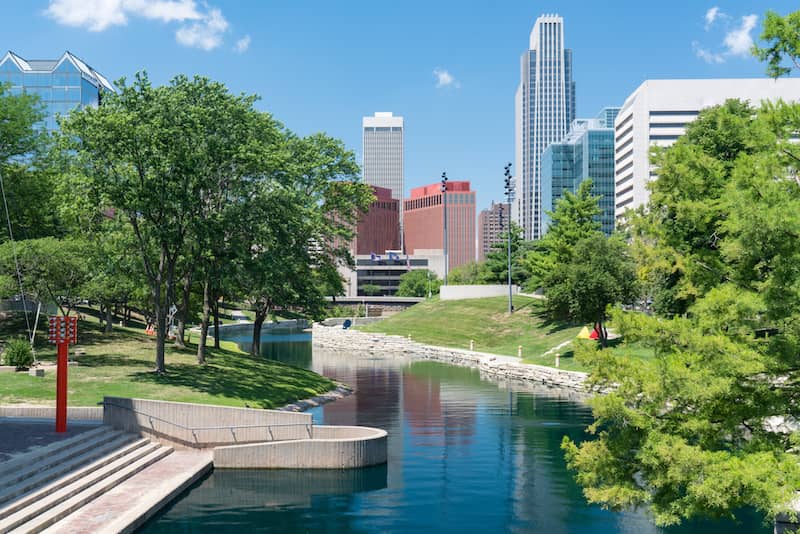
x=36, y=495
x=24, y=459
x=66, y=500
x=40, y=478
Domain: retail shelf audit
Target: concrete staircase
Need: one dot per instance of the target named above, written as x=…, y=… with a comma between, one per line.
x=45, y=486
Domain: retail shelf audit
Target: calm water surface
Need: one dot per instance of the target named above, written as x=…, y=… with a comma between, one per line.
x=465, y=455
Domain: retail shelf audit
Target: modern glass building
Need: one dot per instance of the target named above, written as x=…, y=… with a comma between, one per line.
x=587, y=151
x=62, y=84
x=544, y=109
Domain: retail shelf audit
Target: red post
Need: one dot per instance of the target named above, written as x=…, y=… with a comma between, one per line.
x=61, y=387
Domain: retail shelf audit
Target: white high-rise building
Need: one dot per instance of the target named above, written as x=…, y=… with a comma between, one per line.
x=383, y=155
x=544, y=109
x=657, y=114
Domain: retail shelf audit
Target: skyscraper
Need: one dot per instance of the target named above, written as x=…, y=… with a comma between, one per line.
x=62, y=84
x=383, y=154
x=545, y=107
x=587, y=151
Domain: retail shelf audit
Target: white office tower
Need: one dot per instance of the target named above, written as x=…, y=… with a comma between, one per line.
x=383, y=155
x=657, y=114
x=544, y=109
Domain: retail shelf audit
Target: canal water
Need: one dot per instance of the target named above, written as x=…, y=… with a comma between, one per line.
x=466, y=454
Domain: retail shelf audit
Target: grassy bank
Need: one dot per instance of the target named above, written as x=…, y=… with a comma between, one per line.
x=120, y=364
x=486, y=321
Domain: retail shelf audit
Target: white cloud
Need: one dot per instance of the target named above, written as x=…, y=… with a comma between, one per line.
x=445, y=79
x=203, y=27
x=243, y=44
x=712, y=15
x=738, y=41
x=707, y=55
x=205, y=34
x=98, y=15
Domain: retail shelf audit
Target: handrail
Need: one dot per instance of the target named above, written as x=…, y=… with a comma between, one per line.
x=194, y=430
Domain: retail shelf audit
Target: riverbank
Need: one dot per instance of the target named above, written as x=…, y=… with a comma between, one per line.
x=121, y=363
x=503, y=367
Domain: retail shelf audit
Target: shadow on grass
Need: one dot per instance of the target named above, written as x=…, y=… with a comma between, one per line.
x=112, y=360
x=261, y=383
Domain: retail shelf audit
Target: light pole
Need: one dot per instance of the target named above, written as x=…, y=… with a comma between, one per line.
x=444, y=203
x=507, y=174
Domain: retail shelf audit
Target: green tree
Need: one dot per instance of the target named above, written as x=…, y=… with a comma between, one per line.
x=574, y=218
x=700, y=429
x=470, y=273
x=599, y=274
x=495, y=270
x=416, y=283
x=783, y=43
x=371, y=290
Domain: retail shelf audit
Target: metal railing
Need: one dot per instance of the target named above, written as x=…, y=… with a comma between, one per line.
x=195, y=429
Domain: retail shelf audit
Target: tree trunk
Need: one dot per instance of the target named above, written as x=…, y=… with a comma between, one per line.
x=201, y=345
x=100, y=314
x=183, y=314
x=109, y=320
x=216, y=323
x=161, y=334
x=602, y=333
x=261, y=314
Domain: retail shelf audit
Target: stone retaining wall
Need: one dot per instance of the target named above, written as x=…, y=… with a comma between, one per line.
x=502, y=367
x=331, y=447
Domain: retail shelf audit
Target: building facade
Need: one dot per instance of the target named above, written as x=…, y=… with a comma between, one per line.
x=424, y=221
x=61, y=84
x=491, y=227
x=587, y=151
x=544, y=109
x=379, y=228
x=657, y=113
x=384, y=270
x=383, y=155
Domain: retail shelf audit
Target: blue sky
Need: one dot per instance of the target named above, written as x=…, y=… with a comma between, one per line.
x=449, y=67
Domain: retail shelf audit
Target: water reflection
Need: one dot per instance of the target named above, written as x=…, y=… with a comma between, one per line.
x=466, y=453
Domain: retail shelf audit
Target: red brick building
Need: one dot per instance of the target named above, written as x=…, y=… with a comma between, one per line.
x=379, y=228
x=424, y=220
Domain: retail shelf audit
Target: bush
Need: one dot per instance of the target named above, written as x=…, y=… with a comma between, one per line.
x=18, y=353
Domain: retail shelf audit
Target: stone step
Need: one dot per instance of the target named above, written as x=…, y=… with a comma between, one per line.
x=66, y=500
x=130, y=504
x=62, y=461
x=20, y=461
x=33, y=496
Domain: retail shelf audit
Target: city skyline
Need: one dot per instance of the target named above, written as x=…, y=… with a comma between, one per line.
x=452, y=76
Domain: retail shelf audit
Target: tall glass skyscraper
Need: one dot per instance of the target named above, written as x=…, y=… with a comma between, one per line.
x=587, y=151
x=383, y=155
x=62, y=84
x=545, y=107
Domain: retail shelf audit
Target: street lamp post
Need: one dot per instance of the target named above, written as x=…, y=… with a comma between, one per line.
x=444, y=203
x=507, y=174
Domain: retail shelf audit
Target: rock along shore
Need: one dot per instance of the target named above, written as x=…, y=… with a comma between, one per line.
x=503, y=367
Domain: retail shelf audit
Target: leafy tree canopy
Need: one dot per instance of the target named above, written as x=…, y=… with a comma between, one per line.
x=416, y=283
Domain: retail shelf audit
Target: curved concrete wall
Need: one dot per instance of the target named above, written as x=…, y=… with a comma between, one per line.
x=232, y=423
x=475, y=291
x=332, y=447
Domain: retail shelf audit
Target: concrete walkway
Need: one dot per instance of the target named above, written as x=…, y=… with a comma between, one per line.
x=18, y=435
x=129, y=505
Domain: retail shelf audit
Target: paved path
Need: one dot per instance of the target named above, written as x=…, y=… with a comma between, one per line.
x=18, y=435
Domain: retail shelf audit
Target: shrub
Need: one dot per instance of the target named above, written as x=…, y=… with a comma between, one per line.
x=18, y=353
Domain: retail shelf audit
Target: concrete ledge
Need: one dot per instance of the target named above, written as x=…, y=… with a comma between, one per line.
x=451, y=292
x=173, y=422
x=78, y=413
x=332, y=447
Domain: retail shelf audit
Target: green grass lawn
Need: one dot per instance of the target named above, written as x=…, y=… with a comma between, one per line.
x=121, y=363
x=453, y=323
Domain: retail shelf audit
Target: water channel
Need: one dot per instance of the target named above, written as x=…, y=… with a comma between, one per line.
x=465, y=455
